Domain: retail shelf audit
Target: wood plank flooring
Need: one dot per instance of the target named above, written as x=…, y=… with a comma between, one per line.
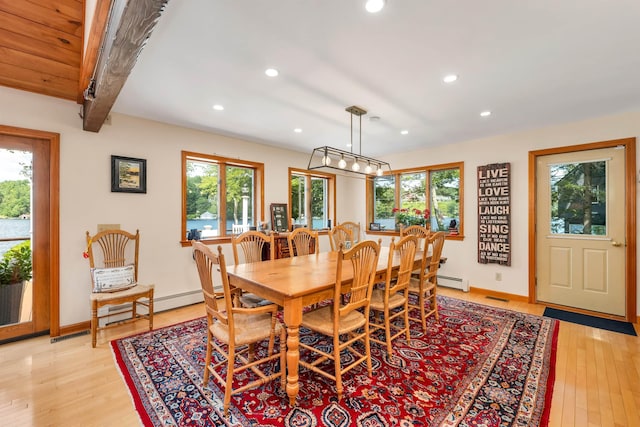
x=68, y=383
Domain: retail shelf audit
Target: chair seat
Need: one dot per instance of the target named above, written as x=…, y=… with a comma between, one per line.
x=321, y=320
x=414, y=286
x=377, y=300
x=248, y=328
x=131, y=292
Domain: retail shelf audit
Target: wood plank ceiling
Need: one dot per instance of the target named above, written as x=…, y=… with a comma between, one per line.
x=41, y=46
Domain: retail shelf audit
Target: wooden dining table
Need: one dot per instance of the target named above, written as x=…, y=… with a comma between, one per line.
x=296, y=282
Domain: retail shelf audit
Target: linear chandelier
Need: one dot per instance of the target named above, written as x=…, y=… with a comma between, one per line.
x=348, y=161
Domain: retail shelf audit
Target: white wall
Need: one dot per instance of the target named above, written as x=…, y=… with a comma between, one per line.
x=513, y=148
x=86, y=199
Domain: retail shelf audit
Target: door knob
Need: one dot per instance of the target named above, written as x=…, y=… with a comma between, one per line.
x=616, y=244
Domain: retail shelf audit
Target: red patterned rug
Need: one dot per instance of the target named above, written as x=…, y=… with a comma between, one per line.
x=477, y=366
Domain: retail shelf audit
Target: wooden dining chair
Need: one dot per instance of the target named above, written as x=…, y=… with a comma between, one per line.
x=390, y=305
x=421, y=232
x=113, y=262
x=346, y=320
x=340, y=235
x=424, y=287
x=233, y=332
x=252, y=244
x=355, y=229
x=303, y=241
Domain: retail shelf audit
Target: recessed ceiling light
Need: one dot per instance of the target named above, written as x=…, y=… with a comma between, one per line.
x=271, y=72
x=374, y=6
x=218, y=107
x=404, y=132
x=485, y=114
x=348, y=144
x=450, y=78
x=297, y=130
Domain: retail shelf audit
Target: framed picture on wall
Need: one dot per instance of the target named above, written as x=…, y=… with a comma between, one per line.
x=128, y=175
x=279, y=217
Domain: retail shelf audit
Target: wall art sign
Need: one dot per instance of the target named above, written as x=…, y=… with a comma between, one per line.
x=128, y=175
x=494, y=214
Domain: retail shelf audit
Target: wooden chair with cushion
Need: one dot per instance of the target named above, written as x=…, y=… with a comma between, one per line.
x=355, y=230
x=340, y=235
x=390, y=305
x=346, y=320
x=252, y=244
x=113, y=260
x=424, y=287
x=303, y=241
x=233, y=332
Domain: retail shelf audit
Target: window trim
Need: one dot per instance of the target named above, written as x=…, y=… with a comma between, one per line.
x=332, y=192
x=222, y=163
x=428, y=170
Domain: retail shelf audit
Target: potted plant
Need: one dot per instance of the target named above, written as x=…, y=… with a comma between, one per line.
x=15, y=269
x=406, y=217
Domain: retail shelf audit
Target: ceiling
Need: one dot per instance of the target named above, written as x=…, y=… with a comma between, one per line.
x=532, y=64
x=41, y=46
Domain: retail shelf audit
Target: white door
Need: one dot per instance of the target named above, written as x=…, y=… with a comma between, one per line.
x=580, y=230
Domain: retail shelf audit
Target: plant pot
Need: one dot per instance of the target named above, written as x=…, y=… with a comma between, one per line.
x=11, y=303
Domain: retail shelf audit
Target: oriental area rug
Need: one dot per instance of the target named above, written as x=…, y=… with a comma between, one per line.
x=476, y=366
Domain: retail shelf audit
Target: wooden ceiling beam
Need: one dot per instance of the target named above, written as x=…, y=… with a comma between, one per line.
x=129, y=26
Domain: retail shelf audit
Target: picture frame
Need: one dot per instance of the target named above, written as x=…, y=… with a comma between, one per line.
x=279, y=217
x=374, y=226
x=128, y=175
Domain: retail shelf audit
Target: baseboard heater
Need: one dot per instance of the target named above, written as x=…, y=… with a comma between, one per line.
x=164, y=303
x=453, y=282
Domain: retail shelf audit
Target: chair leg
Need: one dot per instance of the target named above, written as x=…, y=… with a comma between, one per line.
x=207, y=360
x=336, y=364
x=423, y=315
x=94, y=323
x=231, y=357
x=151, y=309
x=367, y=347
x=406, y=322
x=387, y=332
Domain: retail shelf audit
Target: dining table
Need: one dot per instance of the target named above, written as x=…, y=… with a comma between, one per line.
x=297, y=282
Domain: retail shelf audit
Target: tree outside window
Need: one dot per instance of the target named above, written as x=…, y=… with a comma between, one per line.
x=437, y=189
x=219, y=196
x=312, y=198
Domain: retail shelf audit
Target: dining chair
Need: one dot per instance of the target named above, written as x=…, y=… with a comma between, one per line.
x=113, y=262
x=303, y=241
x=421, y=232
x=346, y=320
x=390, y=305
x=233, y=332
x=424, y=287
x=340, y=235
x=355, y=229
x=253, y=245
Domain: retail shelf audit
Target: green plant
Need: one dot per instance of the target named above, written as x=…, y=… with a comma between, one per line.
x=16, y=265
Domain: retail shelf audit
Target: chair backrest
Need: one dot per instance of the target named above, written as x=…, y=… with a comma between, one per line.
x=303, y=241
x=405, y=249
x=252, y=244
x=340, y=235
x=212, y=270
x=117, y=249
x=364, y=261
x=421, y=232
x=355, y=230
x=436, y=241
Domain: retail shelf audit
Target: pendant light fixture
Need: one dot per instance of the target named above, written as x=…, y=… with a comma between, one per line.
x=348, y=161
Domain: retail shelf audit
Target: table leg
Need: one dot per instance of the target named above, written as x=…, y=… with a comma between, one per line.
x=292, y=318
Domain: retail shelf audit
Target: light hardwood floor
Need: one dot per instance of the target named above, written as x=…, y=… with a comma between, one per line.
x=68, y=383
